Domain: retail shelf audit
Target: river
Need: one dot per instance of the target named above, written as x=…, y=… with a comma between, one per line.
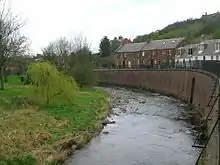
x=147, y=132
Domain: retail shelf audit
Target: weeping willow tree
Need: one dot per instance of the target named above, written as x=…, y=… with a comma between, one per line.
x=48, y=82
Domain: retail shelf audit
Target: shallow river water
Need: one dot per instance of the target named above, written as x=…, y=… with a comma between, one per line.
x=147, y=132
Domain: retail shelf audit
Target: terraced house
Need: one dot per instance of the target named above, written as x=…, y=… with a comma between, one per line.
x=189, y=55
x=129, y=55
x=148, y=54
x=162, y=52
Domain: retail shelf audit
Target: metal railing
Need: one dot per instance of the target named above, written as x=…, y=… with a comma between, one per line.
x=205, y=122
x=210, y=150
x=206, y=157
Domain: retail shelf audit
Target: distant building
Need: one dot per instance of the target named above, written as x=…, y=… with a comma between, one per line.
x=128, y=55
x=188, y=55
x=148, y=54
x=161, y=52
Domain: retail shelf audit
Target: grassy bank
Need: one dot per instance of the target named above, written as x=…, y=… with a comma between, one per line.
x=36, y=134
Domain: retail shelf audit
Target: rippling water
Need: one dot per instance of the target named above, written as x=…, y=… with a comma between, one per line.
x=147, y=132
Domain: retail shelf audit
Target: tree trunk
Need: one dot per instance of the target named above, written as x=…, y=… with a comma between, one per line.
x=2, y=87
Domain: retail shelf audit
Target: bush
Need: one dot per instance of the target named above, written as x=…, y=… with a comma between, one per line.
x=82, y=70
x=84, y=75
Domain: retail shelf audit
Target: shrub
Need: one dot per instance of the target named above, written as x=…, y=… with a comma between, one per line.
x=82, y=69
x=84, y=75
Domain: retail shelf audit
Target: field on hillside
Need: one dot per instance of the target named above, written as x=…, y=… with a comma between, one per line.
x=38, y=133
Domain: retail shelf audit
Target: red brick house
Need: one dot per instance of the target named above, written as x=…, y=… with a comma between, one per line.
x=148, y=54
x=128, y=55
x=160, y=52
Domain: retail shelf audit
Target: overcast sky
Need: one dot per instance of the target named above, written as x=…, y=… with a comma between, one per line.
x=47, y=20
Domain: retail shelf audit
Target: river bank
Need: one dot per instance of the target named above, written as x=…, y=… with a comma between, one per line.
x=39, y=134
x=149, y=129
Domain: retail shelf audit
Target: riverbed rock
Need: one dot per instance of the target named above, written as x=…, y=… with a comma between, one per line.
x=112, y=122
x=107, y=121
x=116, y=114
x=142, y=102
x=123, y=110
x=105, y=132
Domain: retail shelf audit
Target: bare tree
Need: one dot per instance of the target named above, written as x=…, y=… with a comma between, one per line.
x=61, y=51
x=58, y=52
x=80, y=44
x=12, y=43
x=49, y=53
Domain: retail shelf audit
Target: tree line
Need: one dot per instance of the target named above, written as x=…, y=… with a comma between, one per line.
x=71, y=56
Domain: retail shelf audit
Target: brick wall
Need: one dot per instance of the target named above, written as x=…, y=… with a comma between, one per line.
x=176, y=83
x=179, y=84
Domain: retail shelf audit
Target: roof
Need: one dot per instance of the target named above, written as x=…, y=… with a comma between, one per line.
x=163, y=44
x=209, y=49
x=132, y=47
x=189, y=46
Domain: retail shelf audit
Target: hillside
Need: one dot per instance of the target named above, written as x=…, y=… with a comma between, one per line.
x=207, y=27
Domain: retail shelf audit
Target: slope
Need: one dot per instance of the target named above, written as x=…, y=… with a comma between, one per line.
x=206, y=27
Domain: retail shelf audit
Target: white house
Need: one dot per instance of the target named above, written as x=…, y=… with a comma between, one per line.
x=207, y=50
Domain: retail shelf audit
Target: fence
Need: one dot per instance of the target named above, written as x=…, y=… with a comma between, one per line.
x=209, y=154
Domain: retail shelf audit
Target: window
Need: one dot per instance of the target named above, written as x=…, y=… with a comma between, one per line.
x=159, y=61
x=164, y=53
x=143, y=62
x=138, y=62
x=190, y=63
x=179, y=51
x=153, y=53
x=184, y=61
x=203, y=57
x=116, y=63
x=170, y=52
x=157, y=52
x=201, y=48
x=217, y=47
x=196, y=58
x=125, y=55
x=211, y=57
x=143, y=54
x=190, y=51
x=129, y=64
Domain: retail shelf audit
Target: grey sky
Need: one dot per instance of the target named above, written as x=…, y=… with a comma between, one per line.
x=48, y=20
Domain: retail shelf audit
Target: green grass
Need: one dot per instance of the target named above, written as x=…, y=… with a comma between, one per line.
x=35, y=134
